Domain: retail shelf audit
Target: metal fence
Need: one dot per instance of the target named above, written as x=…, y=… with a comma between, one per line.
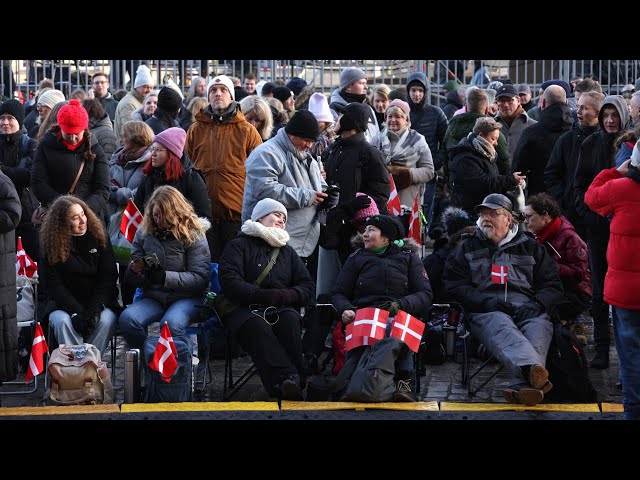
x=20, y=78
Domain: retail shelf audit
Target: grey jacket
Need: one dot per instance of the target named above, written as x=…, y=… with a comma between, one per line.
x=338, y=101
x=275, y=170
x=513, y=131
x=128, y=177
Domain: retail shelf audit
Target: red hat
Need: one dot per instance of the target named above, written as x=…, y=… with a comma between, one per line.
x=73, y=118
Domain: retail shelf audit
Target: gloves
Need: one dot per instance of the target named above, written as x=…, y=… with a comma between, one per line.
x=401, y=176
x=333, y=197
x=529, y=310
x=358, y=203
x=498, y=305
x=276, y=296
x=85, y=322
x=391, y=307
x=157, y=276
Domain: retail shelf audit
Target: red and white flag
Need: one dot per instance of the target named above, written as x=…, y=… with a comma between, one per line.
x=414, y=222
x=408, y=329
x=394, y=200
x=499, y=274
x=370, y=322
x=38, y=349
x=131, y=220
x=352, y=341
x=164, y=358
x=24, y=264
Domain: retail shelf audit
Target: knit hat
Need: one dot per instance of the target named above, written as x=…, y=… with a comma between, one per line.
x=259, y=86
x=319, y=106
x=222, y=80
x=266, y=206
x=388, y=225
x=635, y=156
x=451, y=85
x=402, y=105
x=282, y=93
x=296, y=84
x=14, y=108
x=169, y=100
x=350, y=75
x=267, y=88
x=51, y=97
x=455, y=219
x=356, y=116
x=73, y=118
x=366, y=212
x=303, y=124
x=170, y=83
x=143, y=77
x=560, y=83
x=173, y=138
x=523, y=88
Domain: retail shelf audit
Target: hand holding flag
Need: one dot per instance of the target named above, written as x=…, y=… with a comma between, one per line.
x=164, y=358
x=370, y=322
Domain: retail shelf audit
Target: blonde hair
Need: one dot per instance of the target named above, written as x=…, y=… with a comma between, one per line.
x=51, y=120
x=177, y=214
x=138, y=133
x=259, y=108
x=381, y=89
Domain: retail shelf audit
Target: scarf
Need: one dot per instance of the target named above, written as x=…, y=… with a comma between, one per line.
x=483, y=147
x=274, y=236
x=354, y=97
x=549, y=230
x=125, y=156
x=395, y=147
x=510, y=119
x=225, y=116
x=299, y=163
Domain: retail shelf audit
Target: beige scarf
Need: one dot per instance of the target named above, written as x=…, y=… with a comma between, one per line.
x=274, y=236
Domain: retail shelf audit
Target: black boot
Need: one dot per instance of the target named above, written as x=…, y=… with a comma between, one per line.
x=601, y=360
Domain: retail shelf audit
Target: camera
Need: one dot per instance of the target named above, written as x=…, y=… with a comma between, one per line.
x=150, y=261
x=333, y=197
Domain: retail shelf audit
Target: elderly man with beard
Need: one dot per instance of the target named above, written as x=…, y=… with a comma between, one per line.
x=508, y=285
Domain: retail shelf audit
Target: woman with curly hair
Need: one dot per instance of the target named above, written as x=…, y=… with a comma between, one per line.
x=170, y=261
x=79, y=271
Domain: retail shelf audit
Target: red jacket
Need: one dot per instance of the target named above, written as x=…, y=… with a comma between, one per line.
x=612, y=194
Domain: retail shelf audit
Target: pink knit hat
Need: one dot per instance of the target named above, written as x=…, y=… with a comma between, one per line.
x=173, y=138
x=402, y=105
x=367, y=212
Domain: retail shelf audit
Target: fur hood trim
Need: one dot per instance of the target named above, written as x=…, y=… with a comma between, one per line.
x=410, y=245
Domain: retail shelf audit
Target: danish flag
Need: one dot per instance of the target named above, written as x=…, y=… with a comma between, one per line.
x=38, y=348
x=164, y=358
x=394, y=200
x=352, y=341
x=24, y=264
x=370, y=322
x=414, y=222
x=408, y=329
x=131, y=220
x=499, y=274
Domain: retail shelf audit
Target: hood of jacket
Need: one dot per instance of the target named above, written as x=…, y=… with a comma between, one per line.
x=621, y=105
x=420, y=78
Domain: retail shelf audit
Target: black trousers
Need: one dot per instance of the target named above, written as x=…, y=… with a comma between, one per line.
x=221, y=233
x=600, y=309
x=275, y=349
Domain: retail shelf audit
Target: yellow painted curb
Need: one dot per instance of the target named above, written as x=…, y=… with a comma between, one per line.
x=197, y=406
x=505, y=407
x=60, y=410
x=612, y=407
x=411, y=406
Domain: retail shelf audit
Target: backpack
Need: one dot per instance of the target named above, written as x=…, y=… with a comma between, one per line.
x=568, y=368
x=373, y=377
x=180, y=388
x=432, y=349
x=78, y=376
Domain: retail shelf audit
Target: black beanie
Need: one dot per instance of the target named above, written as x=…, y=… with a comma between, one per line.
x=169, y=100
x=282, y=93
x=389, y=226
x=455, y=219
x=14, y=108
x=356, y=116
x=303, y=124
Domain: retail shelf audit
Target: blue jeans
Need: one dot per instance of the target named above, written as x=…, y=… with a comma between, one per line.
x=64, y=332
x=136, y=318
x=626, y=331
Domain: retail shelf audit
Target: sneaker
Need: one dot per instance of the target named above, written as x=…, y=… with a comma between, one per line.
x=538, y=376
x=403, y=392
x=580, y=332
x=524, y=395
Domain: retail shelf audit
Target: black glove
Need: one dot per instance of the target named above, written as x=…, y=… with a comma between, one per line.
x=157, y=276
x=529, y=310
x=358, y=203
x=498, y=305
x=85, y=322
x=276, y=296
x=333, y=197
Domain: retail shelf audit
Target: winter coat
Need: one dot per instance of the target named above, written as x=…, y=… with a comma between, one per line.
x=219, y=149
x=536, y=144
x=85, y=281
x=514, y=131
x=109, y=104
x=473, y=176
x=452, y=104
x=434, y=266
x=368, y=279
x=409, y=151
x=618, y=196
x=243, y=260
x=10, y=210
x=459, y=127
x=274, y=170
x=187, y=267
x=338, y=103
x=16, y=160
x=356, y=166
x=160, y=121
x=124, y=111
x=55, y=167
x=127, y=178
x=531, y=272
x=191, y=185
x=102, y=131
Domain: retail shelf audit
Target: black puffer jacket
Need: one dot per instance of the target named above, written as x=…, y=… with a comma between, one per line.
x=367, y=280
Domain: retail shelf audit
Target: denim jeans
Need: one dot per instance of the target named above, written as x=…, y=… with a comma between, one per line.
x=136, y=318
x=626, y=331
x=64, y=332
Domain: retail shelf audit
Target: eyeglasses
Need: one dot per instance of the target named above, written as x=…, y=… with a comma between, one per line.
x=158, y=149
x=490, y=213
x=98, y=82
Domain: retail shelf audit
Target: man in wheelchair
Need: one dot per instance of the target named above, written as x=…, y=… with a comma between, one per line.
x=508, y=285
